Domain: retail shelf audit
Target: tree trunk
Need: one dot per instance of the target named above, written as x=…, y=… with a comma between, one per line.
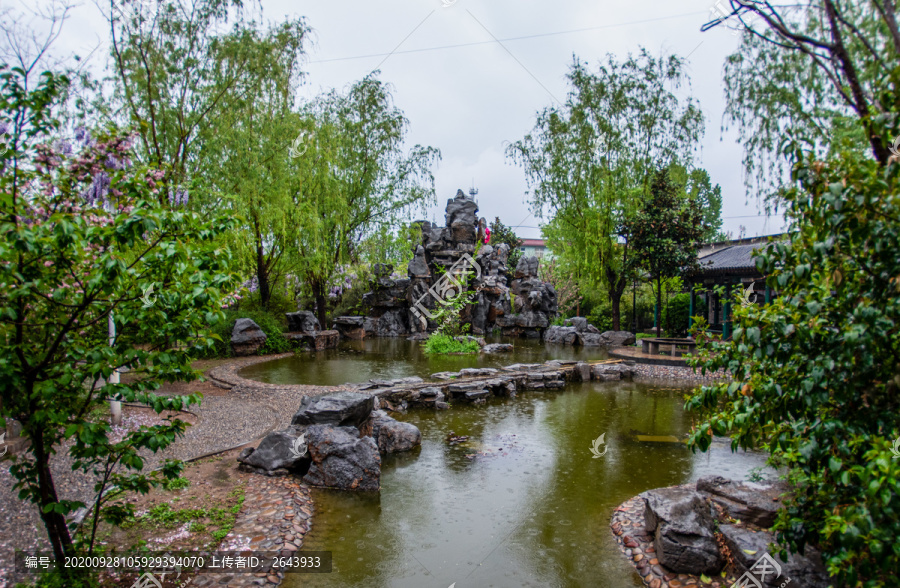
x=321, y=304
x=658, y=305
x=262, y=276
x=54, y=522
x=615, y=304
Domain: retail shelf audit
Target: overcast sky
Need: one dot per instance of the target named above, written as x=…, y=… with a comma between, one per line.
x=470, y=76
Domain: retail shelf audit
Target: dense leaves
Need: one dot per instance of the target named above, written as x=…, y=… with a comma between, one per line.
x=83, y=242
x=816, y=378
x=590, y=161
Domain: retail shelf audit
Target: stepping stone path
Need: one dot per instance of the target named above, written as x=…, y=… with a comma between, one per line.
x=276, y=515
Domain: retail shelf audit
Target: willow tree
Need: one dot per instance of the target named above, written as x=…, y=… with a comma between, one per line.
x=816, y=75
x=352, y=177
x=589, y=162
x=182, y=68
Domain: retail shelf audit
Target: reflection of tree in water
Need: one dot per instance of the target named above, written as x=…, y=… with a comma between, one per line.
x=570, y=522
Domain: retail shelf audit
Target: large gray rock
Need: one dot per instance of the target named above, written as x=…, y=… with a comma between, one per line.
x=341, y=459
x=606, y=339
x=339, y=409
x=350, y=327
x=393, y=323
x=579, y=322
x=749, y=548
x=302, y=321
x=418, y=267
x=393, y=436
x=246, y=337
x=747, y=502
x=460, y=217
x=527, y=267
x=617, y=338
x=561, y=335
x=497, y=348
x=285, y=449
x=682, y=524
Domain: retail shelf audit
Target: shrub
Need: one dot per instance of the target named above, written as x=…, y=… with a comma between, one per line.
x=815, y=377
x=440, y=343
x=675, y=315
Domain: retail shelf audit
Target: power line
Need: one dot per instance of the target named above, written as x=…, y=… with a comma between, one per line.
x=535, y=36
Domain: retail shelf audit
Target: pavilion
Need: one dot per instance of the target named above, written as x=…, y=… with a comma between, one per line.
x=730, y=264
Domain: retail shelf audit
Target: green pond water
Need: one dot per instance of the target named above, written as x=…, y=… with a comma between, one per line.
x=522, y=503
x=387, y=358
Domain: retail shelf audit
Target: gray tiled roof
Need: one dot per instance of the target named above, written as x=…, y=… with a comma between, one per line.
x=737, y=259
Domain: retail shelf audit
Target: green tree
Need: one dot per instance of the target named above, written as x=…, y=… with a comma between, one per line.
x=182, y=70
x=589, y=160
x=353, y=178
x=665, y=234
x=817, y=74
x=815, y=373
x=83, y=237
x=500, y=234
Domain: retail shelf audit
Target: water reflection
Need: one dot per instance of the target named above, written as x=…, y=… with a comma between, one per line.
x=523, y=502
x=358, y=361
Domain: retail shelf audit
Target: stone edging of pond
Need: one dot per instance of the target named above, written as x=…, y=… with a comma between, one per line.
x=281, y=508
x=278, y=517
x=628, y=527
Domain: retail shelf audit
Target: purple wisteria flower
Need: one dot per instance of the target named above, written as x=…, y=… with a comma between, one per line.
x=82, y=135
x=252, y=285
x=64, y=147
x=178, y=198
x=113, y=163
x=98, y=190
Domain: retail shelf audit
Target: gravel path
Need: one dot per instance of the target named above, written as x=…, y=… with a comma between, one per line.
x=225, y=419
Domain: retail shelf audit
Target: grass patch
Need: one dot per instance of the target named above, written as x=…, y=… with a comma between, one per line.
x=439, y=343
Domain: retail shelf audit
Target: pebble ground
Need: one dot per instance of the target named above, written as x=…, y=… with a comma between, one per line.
x=636, y=543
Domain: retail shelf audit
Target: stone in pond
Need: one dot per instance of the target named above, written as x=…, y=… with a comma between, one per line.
x=561, y=335
x=246, y=337
x=340, y=409
x=302, y=321
x=682, y=525
x=393, y=436
x=285, y=449
x=746, y=501
x=749, y=548
x=497, y=348
x=341, y=459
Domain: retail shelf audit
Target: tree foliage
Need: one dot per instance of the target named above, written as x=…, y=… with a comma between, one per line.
x=590, y=160
x=500, y=234
x=84, y=239
x=818, y=74
x=815, y=372
x=353, y=178
x=665, y=234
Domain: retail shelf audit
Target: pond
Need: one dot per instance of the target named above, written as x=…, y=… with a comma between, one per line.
x=523, y=502
x=388, y=358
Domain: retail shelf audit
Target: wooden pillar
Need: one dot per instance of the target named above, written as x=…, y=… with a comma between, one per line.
x=691, y=311
x=726, y=312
